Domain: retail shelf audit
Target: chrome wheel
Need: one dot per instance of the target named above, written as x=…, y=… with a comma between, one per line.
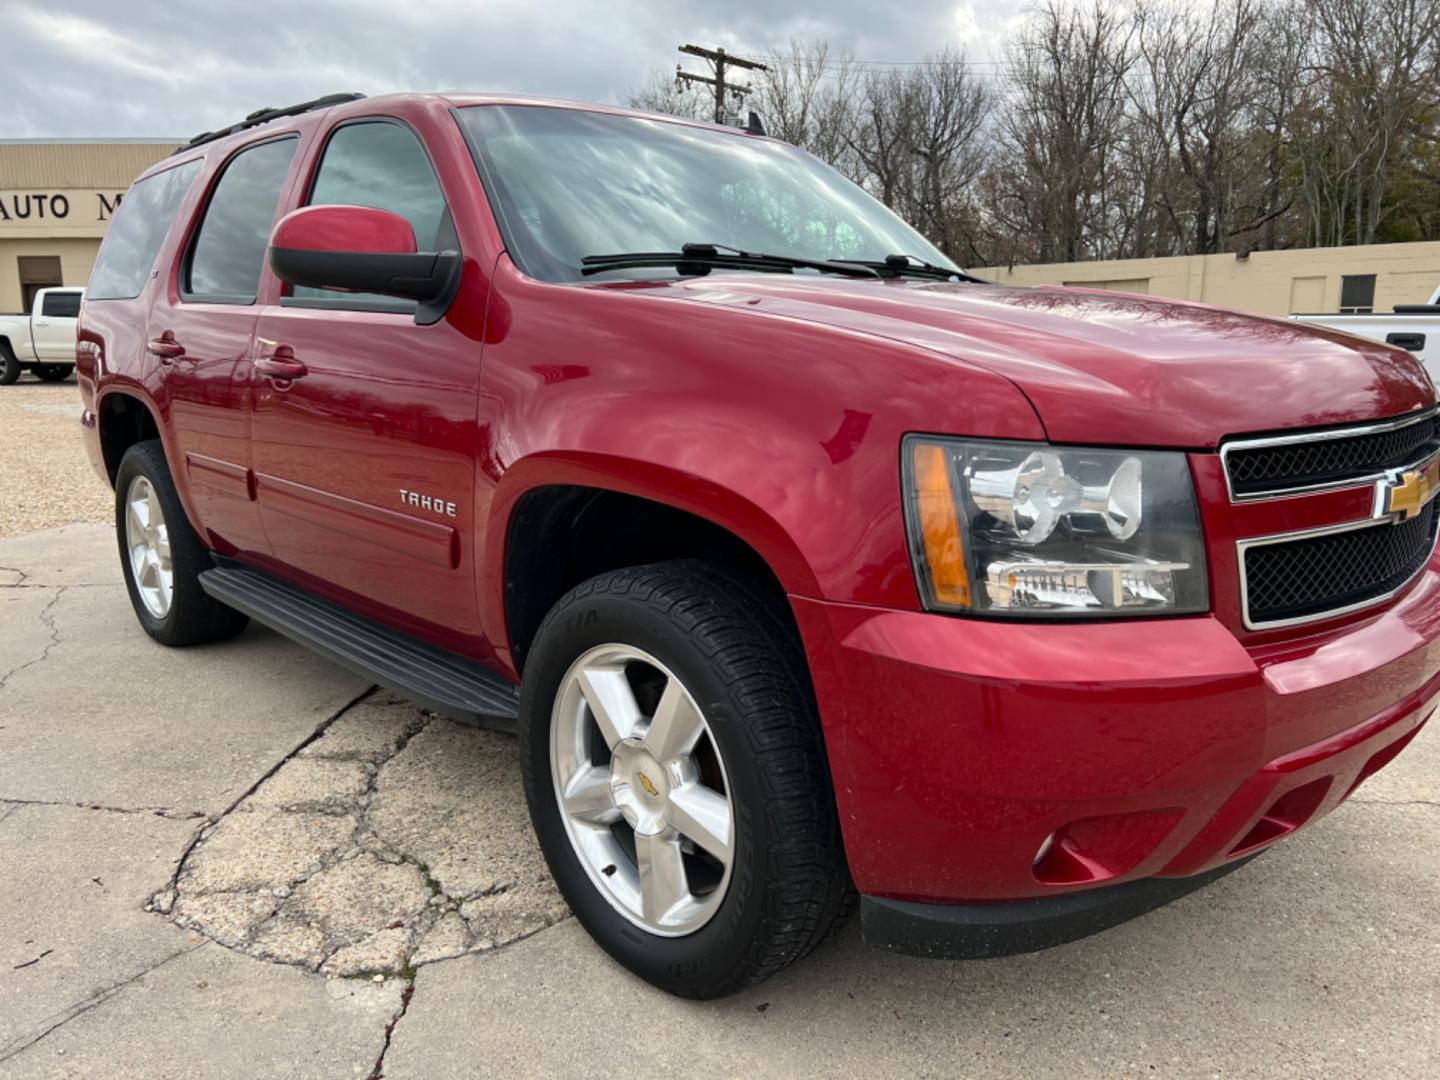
x=148, y=542
x=642, y=790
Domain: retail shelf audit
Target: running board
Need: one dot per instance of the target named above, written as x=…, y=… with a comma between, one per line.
x=430, y=676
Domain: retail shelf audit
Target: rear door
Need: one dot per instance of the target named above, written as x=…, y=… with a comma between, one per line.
x=365, y=464
x=53, y=326
x=200, y=333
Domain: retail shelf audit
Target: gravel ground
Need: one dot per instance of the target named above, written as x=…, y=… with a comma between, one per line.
x=47, y=479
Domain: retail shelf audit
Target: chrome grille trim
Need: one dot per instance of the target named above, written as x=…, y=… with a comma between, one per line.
x=1243, y=546
x=1233, y=446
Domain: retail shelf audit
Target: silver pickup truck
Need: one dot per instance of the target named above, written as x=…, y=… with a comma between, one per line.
x=44, y=340
x=1410, y=326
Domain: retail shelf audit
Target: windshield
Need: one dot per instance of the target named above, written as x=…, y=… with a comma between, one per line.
x=568, y=183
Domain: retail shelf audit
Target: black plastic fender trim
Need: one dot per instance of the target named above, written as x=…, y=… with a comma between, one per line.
x=1012, y=927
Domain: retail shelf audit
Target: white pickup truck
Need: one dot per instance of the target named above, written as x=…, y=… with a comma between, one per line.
x=1410, y=326
x=44, y=340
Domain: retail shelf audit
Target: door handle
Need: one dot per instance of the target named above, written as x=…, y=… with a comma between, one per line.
x=165, y=347
x=280, y=364
x=1413, y=342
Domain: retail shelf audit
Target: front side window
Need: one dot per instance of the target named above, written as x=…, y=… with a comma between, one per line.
x=136, y=232
x=61, y=305
x=229, y=249
x=568, y=183
x=380, y=164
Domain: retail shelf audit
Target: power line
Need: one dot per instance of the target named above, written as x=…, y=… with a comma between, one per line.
x=882, y=65
x=827, y=69
x=962, y=60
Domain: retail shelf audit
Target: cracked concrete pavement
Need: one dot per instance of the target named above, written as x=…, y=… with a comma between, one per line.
x=390, y=841
x=239, y=861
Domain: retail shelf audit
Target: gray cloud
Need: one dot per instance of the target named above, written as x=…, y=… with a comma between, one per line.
x=76, y=68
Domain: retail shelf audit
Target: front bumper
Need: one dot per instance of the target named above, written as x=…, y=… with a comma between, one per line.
x=977, y=762
x=983, y=931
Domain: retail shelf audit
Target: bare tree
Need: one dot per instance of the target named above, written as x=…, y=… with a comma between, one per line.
x=1061, y=122
x=1200, y=74
x=918, y=143
x=1134, y=128
x=1380, y=65
x=806, y=97
x=950, y=112
x=881, y=137
x=661, y=92
x=1285, y=40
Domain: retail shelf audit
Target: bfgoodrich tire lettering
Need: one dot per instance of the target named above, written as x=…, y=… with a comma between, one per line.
x=787, y=883
x=186, y=614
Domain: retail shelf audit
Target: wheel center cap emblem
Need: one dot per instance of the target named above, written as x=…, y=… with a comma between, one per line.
x=648, y=785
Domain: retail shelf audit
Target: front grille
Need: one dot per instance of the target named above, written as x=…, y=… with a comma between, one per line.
x=1309, y=576
x=1296, y=463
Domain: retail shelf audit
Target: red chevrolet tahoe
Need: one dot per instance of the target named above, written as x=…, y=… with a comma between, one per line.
x=807, y=567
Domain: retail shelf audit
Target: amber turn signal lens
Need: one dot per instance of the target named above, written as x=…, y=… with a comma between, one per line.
x=939, y=529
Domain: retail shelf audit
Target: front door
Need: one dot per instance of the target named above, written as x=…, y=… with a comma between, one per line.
x=363, y=436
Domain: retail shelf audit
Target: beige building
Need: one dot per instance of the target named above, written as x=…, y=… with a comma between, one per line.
x=56, y=199
x=1371, y=277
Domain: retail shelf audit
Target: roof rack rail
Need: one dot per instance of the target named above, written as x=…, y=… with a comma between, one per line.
x=264, y=116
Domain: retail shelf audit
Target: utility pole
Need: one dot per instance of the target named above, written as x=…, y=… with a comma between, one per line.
x=719, y=60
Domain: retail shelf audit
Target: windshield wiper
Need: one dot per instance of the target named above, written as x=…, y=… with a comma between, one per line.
x=913, y=266
x=701, y=258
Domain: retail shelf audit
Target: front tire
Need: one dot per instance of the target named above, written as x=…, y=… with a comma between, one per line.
x=162, y=557
x=677, y=781
x=9, y=365
x=53, y=372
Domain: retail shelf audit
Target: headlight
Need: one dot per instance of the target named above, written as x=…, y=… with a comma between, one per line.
x=1027, y=529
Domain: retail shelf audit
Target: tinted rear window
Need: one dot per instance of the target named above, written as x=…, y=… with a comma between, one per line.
x=229, y=249
x=128, y=254
x=61, y=305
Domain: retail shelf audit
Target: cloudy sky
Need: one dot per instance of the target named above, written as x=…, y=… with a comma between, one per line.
x=77, y=68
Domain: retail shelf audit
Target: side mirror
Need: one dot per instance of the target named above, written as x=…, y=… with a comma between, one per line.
x=363, y=250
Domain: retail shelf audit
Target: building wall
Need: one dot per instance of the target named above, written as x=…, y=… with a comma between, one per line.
x=1269, y=282
x=57, y=198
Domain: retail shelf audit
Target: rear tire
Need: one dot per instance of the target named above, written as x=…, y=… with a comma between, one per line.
x=53, y=372
x=9, y=365
x=780, y=883
x=162, y=557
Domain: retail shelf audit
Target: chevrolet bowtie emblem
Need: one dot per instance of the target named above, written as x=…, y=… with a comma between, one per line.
x=1404, y=494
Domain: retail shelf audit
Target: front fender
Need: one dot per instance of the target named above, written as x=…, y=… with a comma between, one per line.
x=668, y=485
x=786, y=433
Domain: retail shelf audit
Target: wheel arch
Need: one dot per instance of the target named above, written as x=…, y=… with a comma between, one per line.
x=124, y=418
x=582, y=518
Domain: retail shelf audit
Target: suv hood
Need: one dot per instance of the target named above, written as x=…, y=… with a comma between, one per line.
x=1103, y=367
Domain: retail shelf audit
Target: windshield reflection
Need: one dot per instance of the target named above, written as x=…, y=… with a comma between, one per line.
x=568, y=183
